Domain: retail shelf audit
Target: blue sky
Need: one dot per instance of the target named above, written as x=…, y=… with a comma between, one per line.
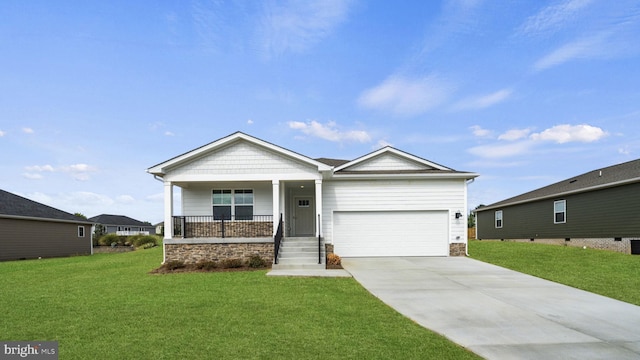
x=526, y=93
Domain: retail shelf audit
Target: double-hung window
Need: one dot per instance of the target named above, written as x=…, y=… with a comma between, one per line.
x=233, y=204
x=498, y=219
x=560, y=212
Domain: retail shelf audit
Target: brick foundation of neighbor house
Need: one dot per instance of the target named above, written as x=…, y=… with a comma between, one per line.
x=622, y=245
x=457, y=249
x=191, y=251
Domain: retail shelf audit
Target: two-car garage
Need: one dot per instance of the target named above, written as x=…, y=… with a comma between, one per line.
x=391, y=233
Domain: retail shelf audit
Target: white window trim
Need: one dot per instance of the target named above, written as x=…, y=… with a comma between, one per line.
x=558, y=212
x=81, y=229
x=496, y=219
x=233, y=200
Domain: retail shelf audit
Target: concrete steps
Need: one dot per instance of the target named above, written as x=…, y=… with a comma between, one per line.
x=299, y=253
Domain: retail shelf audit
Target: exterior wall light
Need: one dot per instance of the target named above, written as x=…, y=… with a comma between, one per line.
x=458, y=214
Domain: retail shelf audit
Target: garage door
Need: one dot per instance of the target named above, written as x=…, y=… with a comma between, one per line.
x=390, y=233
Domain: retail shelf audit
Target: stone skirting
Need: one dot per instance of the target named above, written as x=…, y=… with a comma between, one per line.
x=232, y=229
x=457, y=249
x=622, y=245
x=193, y=253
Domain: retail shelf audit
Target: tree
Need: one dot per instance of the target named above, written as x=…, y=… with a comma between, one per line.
x=81, y=215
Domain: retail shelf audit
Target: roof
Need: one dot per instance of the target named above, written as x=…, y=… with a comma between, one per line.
x=332, y=162
x=628, y=172
x=12, y=205
x=106, y=219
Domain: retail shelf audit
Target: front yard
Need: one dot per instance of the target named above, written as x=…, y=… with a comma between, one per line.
x=607, y=273
x=108, y=306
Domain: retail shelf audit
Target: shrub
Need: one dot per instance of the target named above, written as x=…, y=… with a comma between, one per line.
x=231, y=263
x=333, y=259
x=174, y=264
x=109, y=239
x=138, y=241
x=206, y=265
x=257, y=262
x=148, y=245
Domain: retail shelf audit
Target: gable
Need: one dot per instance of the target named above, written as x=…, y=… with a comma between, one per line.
x=241, y=157
x=388, y=162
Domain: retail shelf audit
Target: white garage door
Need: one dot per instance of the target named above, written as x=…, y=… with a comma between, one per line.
x=390, y=233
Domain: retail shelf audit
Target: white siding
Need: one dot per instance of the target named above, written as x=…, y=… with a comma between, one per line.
x=387, y=162
x=197, y=199
x=389, y=195
x=243, y=159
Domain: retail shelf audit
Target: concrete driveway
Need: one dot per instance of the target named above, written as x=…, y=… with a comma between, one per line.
x=499, y=313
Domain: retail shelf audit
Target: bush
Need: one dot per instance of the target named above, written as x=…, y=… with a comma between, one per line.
x=138, y=241
x=174, y=264
x=257, y=262
x=206, y=265
x=108, y=239
x=231, y=263
x=333, y=259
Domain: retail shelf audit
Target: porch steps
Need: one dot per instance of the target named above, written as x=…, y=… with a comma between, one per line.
x=299, y=253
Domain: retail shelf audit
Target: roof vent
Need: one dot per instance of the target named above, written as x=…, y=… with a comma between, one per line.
x=572, y=181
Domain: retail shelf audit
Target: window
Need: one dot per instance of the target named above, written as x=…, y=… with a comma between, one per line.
x=303, y=203
x=80, y=231
x=237, y=204
x=499, y=219
x=560, y=212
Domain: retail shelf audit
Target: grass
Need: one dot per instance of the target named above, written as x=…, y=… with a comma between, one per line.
x=108, y=306
x=607, y=273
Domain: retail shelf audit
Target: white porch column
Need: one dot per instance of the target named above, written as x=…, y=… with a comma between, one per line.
x=276, y=204
x=168, y=210
x=318, y=205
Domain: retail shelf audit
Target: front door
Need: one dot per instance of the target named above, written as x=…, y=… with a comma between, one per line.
x=303, y=216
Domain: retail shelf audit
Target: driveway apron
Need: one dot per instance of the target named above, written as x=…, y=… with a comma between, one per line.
x=499, y=313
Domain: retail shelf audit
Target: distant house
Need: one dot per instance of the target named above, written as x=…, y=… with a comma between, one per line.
x=599, y=209
x=30, y=230
x=123, y=225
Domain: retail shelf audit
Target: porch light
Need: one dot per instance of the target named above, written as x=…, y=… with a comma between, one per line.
x=458, y=214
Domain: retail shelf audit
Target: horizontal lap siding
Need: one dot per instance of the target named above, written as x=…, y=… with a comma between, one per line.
x=612, y=212
x=198, y=199
x=31, y=239
x=362, y=195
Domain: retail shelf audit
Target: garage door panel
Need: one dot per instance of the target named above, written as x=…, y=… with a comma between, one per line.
x=390, y=233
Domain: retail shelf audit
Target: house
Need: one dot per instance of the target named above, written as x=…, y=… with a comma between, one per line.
x=240, y=194
x=30, y=230
x=599, y=209
x=123, y=225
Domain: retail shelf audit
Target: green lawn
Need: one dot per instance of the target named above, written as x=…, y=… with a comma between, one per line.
x=107, y=306
x=608, y=273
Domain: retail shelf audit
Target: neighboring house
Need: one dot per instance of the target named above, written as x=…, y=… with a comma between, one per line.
x=30, y=230
x=159, y=228
x=599, y=209
x=123, y=225
x=386, y=203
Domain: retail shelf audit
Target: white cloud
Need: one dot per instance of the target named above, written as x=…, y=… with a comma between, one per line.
x=125, y=199
x=484, y=101
x=502, y=150
x=404, y=96
x=32, y=176
x=591, y=47
x=329, y=131
x=294, y=26
x=553, y=17
x=624, y=150
x=2, y=133
x=570, y=133
x=249, y=122
x=79, y=172
x=27, y=130
x=168, y=133
x=40, y=168
x=514, y=134
x=382, y=143
x=480, y=132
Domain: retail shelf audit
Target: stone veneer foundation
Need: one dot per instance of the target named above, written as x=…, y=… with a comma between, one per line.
x=622, y=245
x=457, y=249
x=191, y=251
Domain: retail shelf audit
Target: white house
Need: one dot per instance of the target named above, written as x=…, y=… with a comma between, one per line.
x=236, y=189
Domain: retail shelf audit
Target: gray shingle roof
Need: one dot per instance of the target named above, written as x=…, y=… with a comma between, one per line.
x=14, y=205
x=106, y=219
x=599, y=178
x=332, y=162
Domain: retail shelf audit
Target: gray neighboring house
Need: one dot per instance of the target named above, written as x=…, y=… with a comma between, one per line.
x=123, y=225
x=598, y=209
x=31, y=230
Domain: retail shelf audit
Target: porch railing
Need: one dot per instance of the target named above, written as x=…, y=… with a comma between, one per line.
x=277, y=240
x=208, y=226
